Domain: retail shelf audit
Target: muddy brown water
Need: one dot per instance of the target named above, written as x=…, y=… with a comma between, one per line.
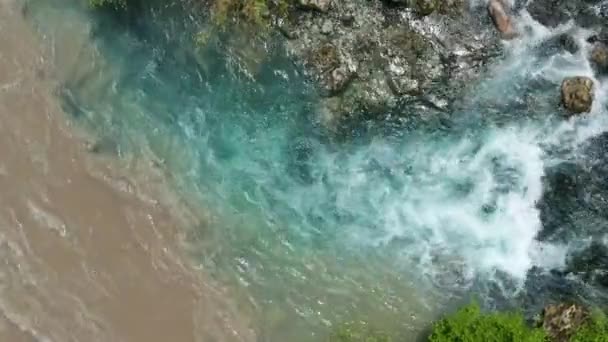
x=89, y=247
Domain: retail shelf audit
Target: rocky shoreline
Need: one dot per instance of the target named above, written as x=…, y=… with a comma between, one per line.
x=372, y=59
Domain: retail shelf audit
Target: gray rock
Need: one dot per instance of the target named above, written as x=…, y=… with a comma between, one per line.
x=318, y=5
x=552, y=13
x=324, y=58
x=327, y=27
x=365, y=56
x=599, y=58
x=335, y=81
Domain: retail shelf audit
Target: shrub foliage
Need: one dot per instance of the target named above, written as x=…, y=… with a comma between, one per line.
x=469, y=324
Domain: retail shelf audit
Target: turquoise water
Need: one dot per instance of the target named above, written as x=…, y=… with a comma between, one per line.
x=392, y=222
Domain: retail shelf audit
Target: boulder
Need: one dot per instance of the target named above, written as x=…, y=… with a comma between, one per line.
x=599, y=58
x=331, y=74
x=568, y=42
x=317, y=5
x=562, y=320
x=366, y=57
x=451, y=6
x=590, y=263
x=426, y=7
x=551, y=13
x=335, y=81
x=324, y=58
x=557, y=45
x=502, y=20
x=577, y=94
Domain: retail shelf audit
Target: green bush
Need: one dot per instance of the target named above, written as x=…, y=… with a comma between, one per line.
x=108, y=3
x=470, y=325
x=595, y=330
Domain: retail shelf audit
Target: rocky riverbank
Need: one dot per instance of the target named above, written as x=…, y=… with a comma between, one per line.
x=375, y=59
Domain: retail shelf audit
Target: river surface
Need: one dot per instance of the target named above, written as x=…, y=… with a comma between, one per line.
x=279, y=230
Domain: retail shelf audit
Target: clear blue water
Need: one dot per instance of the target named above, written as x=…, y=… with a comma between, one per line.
x=393, y=222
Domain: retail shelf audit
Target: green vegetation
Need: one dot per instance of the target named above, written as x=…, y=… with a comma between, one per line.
x=595, y=330
x=470, y=325
x=108, y=3
x=358, y=332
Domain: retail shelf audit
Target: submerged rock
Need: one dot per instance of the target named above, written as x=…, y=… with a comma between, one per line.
x=591, y=264
x=561, y=321
x=552, y=13
x=573, y=203
x=577, y=94
x=599, y=58
x=568, y=42
x=557, y=45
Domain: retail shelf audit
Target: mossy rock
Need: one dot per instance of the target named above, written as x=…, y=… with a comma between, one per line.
x=324, y=58
x=426, y=7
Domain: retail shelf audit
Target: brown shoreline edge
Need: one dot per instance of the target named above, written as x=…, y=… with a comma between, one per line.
x=86, y=253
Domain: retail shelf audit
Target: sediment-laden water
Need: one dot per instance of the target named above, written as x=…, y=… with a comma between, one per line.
x=393, y=224
x=88, y=244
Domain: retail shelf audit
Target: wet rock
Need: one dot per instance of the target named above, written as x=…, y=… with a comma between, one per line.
x=590, y=263
x=331, y=74
x=327, y=27
x=336, y=80
x=502, y=20
x=551, y=13
x=577, y=94
x=557, y=45
x=347, y=20
x=569, y=43
x=318, y=5
x=324, y=58
x=286, y=31
x=412, y=63
x=561, y=321
x=367, y=56
x=573, y=204
x=426, y=7
x=451, y=7
x=599, y=58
